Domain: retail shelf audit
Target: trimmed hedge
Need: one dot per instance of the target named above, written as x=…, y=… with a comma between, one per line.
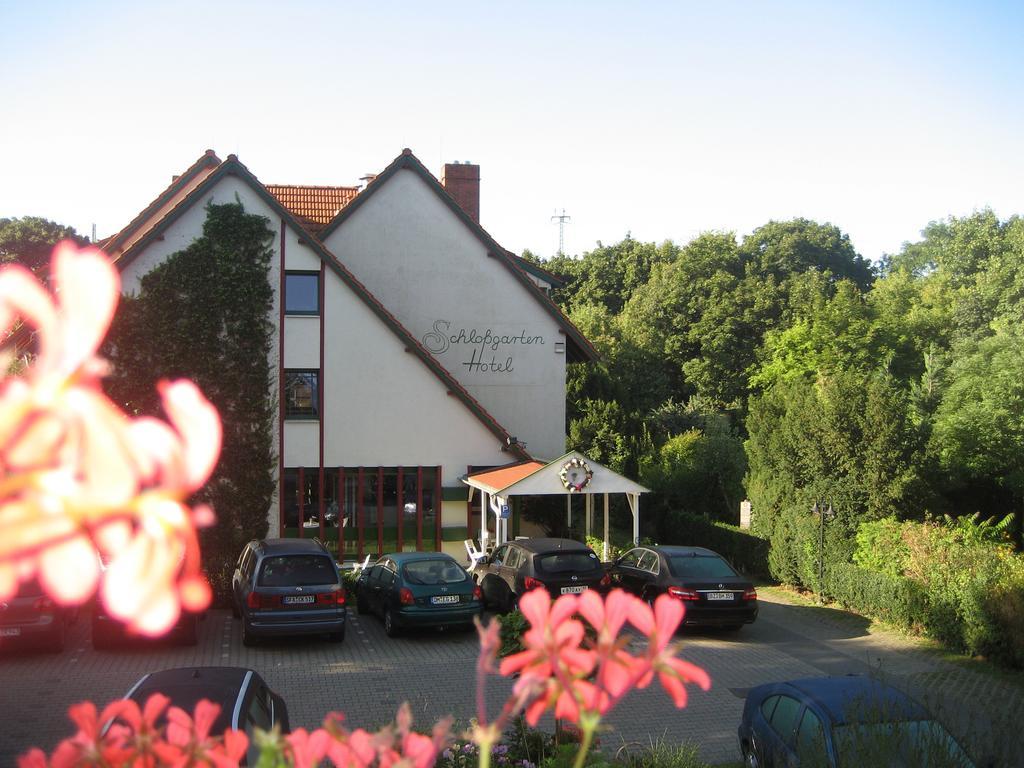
x=894, y=599
x=747, y=553
x=985, y=619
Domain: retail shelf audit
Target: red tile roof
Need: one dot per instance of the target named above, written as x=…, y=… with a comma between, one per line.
x=503, y=477
x=313, y=206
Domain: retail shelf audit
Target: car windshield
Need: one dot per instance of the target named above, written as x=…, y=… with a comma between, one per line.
x=898, y=744
x=568, y=562
x=296, y=571
x=434, y=572
x=699, y=567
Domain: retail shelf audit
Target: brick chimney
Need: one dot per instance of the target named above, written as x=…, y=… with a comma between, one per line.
x=462, y=181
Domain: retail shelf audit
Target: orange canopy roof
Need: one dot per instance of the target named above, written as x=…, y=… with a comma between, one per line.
x=503, y=477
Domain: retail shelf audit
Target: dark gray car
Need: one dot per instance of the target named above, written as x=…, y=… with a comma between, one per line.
x=31, y=619
x=561, y=566
x=246, y=701
x=288, y=587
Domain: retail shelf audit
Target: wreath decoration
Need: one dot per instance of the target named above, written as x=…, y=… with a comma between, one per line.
x=576, y=475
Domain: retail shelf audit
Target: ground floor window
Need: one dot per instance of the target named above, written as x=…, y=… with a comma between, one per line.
x=365, y=510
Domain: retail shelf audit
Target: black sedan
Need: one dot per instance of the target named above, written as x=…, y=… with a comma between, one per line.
x=246, y=701
x=560, y=566
x=854, y=720
x=713, y=593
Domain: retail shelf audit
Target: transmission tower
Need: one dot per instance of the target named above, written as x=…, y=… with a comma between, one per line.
x=561, y=230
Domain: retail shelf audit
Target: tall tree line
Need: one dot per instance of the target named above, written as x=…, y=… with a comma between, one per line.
x=786, y=368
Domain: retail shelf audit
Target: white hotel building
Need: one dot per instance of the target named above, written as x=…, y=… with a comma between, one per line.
x=410, y=347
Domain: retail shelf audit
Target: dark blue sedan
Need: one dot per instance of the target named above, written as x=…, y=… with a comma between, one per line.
x=840, y=722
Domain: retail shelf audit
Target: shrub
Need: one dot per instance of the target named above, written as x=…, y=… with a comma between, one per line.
x=793, y=558
x=661, y=754
x=881, y=548
x=597, y=545
x=510, y=629
x=894, y=599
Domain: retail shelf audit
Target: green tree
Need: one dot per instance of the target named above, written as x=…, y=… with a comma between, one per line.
x=699, y=471
x=30, y=240
x=204, y=314
x=978, y=433
x=845, y=436
x=780, y=249
x=827, y=333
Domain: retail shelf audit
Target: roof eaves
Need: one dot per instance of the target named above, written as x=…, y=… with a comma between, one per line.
x=208, y=160
x=583, y=349
x=537, y=271
x=233, y=166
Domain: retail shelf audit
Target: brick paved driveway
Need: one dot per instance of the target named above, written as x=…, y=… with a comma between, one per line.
x=369, y=675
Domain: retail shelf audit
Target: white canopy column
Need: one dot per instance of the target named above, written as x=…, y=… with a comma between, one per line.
x=634, y=507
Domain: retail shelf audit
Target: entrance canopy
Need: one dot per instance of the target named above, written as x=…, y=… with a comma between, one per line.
x=570, y=475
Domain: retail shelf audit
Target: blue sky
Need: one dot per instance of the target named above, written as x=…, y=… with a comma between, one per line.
x=658, y=119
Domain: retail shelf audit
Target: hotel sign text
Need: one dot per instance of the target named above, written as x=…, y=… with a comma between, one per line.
x=488, y=349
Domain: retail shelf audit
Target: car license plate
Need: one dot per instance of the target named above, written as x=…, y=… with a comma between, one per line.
x=573, y=590
x=298, y=599
x=10, y=631
x=719, y=595
x=444, y=599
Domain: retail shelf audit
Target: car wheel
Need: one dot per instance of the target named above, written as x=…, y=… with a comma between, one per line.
x=390, y=627
x=248, y=638
x=234, y=609
x=362, y=607
x=750, y=758
x=337, y=637
x=732, y=627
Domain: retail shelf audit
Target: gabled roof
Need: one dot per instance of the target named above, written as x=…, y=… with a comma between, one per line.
x=578, y=348
x=494, y=480
x=232, y=167
x=534, y=478
x=204, y=165
x=314, y=206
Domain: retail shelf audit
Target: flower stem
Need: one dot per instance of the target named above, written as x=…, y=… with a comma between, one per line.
x=588, y=736
x=485, y=753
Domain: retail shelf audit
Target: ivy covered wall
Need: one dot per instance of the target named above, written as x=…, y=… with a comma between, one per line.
x=204, y=314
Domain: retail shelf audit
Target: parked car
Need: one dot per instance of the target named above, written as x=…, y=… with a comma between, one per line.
x=288, y=587
x=246, y=701
x=713, y=593
x=418, y=589
x=31, y=619
x=109, y=632
x=842, y=721
x=561, y=566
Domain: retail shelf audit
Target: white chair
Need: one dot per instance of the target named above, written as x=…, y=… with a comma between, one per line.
x=475, y=555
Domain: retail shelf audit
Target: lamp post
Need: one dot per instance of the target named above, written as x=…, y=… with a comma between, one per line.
x=824, y=512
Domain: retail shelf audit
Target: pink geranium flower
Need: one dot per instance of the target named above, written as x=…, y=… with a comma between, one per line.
x=660, y=626
x=80, y=479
